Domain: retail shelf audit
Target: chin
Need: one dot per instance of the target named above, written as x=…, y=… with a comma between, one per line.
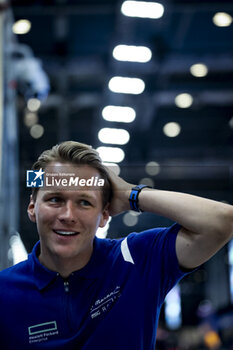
x=65, y=252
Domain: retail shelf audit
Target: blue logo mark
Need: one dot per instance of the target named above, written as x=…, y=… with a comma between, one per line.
x=35, y=178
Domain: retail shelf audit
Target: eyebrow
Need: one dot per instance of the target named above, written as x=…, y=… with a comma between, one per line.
x=84, y=195
x=53, y=193
x=61, y=193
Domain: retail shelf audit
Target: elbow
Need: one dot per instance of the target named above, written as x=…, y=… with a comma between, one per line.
x=227, y=227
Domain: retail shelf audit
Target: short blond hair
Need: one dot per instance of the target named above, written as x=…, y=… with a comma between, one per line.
x=75, y=153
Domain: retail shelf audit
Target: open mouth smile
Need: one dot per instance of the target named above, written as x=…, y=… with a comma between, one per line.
x=66, y=233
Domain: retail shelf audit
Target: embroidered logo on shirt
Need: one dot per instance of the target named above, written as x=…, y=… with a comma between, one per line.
x=102, y=305
x=41, y=332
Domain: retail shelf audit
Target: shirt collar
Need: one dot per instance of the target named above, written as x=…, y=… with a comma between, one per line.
x=95, y=268
x=42, y=276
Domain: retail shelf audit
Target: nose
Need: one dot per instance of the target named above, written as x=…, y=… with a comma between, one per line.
x=67, y=213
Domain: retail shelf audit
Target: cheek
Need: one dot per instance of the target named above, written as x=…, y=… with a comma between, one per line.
x=43, y=216
x=97, y=221
x=90, y=220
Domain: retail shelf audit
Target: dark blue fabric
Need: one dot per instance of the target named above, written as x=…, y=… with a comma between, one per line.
x=111, y=303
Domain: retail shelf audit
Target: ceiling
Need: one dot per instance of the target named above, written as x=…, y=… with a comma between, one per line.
x=74, y=41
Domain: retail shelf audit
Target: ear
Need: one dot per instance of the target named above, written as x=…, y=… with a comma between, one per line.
x=105, y=216
x=31, y=210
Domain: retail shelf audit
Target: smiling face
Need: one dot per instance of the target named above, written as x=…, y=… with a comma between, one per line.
x=67, y=219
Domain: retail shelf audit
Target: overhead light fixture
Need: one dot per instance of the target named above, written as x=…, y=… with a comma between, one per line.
x=30, y=119
x=130, y=219
x=152, y=168
x=33, y=104
x=37, y=131
x=199, y=70
x=143, y=9
x=21, y=26
x=124, y=85
x=184, y=100
x=114, y=136
x=119, y=114
x=172, y=129
x=132, y=53
x=222, y=19
x=111, y=154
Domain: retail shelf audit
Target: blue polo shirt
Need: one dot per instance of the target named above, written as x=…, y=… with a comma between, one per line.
x=111, y=303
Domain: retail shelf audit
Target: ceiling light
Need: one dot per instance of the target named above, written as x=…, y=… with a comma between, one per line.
x=130, y=220
x=22, y=26
x=152, y=168
x=184, y=100
x=199, y=70
x=37, y=131
x=171, y=129
x=114, y=136
x=142, y=9
x=132, y=53
x=124, y=85
x=222, y=19
x=33, y=104
x=111, y=154
x=119, y=114
x=30, y=119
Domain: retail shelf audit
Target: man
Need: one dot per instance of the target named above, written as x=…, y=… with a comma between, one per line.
x=76, y=291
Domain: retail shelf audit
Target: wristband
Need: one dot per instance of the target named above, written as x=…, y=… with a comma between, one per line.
x=133, y=198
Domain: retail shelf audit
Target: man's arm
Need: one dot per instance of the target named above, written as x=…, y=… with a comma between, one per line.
x=207, y=225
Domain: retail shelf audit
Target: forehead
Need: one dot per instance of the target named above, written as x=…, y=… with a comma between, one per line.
x=67, y=177
x=69, y=169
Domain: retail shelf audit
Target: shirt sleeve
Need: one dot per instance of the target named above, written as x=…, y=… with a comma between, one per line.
x=154, y=254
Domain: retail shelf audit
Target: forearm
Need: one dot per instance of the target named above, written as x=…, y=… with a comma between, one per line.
x=206, y=225
x=196, y=214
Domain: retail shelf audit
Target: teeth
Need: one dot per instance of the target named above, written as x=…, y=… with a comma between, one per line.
x=66, y=233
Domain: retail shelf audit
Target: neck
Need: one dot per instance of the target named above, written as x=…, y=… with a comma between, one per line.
x=63, y=265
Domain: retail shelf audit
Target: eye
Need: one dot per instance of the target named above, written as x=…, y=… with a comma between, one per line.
x=85, y=203
x=54, y=199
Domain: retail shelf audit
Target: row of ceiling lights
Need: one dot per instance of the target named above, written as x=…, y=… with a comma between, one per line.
x=128, y=53
x=31, y=119
x=141, y=9
x=126, y=85
x=126, y=114
x=109, y=113
x=136, y=86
